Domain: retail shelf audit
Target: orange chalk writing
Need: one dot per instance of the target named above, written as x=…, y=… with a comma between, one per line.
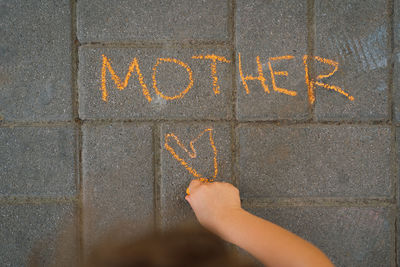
x=132, y=67
x=311, y=82
x=184, y=65
x=260, y=77
x=214, y=59
x=193, y=154
x=213, y=66
x=282, y=73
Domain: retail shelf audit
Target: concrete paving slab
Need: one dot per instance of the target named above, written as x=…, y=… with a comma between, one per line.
x=270, y=30
x=184, y=86
x=104, y=20
x=396, y=23
x=47, y=230
x=354, y=35
x=35, y=61
x=212, y=143
x=398, y=189
x=396, y=86
x=118, y=178
x=349, y=236
x=37, y=161
x=314, y=161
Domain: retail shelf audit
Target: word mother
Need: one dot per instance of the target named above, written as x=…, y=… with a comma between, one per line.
x=214, y=59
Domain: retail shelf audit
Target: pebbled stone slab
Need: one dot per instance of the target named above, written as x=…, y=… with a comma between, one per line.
x=349, y=236
x=314, y=161
x=35, y=61
x=353, y=34
x=118, y=178
x=112, y=21
x=175, y=178
x=270, y=29
x=396, y=86
x=37, y=161
x=398, y=188
x=173, y=99
x=47, y=230
x=396, y=22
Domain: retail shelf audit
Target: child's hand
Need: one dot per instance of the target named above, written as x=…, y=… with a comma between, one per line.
x=213, y=202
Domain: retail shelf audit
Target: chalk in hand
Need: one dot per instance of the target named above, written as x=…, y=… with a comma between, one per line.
x=204, y=180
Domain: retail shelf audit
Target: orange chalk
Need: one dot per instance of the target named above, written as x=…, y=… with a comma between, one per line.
x=260, y=77
x=133, y=66
x=193, y=154
x=282, y=73
x=213, y=66
x=311, y=83
x=180, y=63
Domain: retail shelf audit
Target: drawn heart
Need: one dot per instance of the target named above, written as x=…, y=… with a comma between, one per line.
x=193, y=154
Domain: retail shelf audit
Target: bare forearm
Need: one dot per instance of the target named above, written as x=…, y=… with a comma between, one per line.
x=269, y=243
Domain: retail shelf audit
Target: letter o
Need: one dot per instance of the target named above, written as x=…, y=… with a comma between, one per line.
x=184, y=65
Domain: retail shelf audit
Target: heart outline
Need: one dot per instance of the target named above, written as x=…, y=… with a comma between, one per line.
x=193, y=154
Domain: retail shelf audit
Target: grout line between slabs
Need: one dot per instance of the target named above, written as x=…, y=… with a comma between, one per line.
x=78, y=124
x=158, y=44
x=318, y=202
x=311, y=31
x=267, y=202
x=282, y=122
x=157, y=176
x=233, y=124
x=393, y=150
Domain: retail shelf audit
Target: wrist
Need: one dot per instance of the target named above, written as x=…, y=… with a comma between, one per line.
x=227, y=221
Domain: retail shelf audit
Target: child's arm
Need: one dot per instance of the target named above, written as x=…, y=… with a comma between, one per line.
x=217, y=207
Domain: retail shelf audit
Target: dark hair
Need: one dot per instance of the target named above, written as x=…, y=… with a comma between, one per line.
x=182, y=246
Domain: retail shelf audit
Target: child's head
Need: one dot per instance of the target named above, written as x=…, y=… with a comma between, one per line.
x=186, y=245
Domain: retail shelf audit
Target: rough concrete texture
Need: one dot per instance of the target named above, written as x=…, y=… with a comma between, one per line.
x=262, y=32
x=175, y=178
x=398, y=187
x=172, y=80
x=314, y=161
x=355, y=35
x=328, y=170
x=396, y=86
x=37, y=161
x=396, y=58
x=349, y=236
x=44, y=234
x=104, y=20
x=35, y=61
x=117, y=162
x=396, y=23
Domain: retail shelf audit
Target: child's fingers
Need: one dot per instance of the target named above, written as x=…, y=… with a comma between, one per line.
x=194, y=184
x=187, y=198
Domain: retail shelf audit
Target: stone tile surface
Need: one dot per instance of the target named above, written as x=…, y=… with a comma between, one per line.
x=349, y=236
x=104, y=20
x=314, y=161
x=353, y=34
x=118, y=178
x=398, y=189
x=396, y=23
x=172, y=80
x=37, y=161
x=35, y=61
x=175, y=178
x=268, y=29
x=47, y=230
x=396, y=86
x=396, y=58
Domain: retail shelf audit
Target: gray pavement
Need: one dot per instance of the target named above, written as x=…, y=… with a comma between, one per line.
x=297, y=103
